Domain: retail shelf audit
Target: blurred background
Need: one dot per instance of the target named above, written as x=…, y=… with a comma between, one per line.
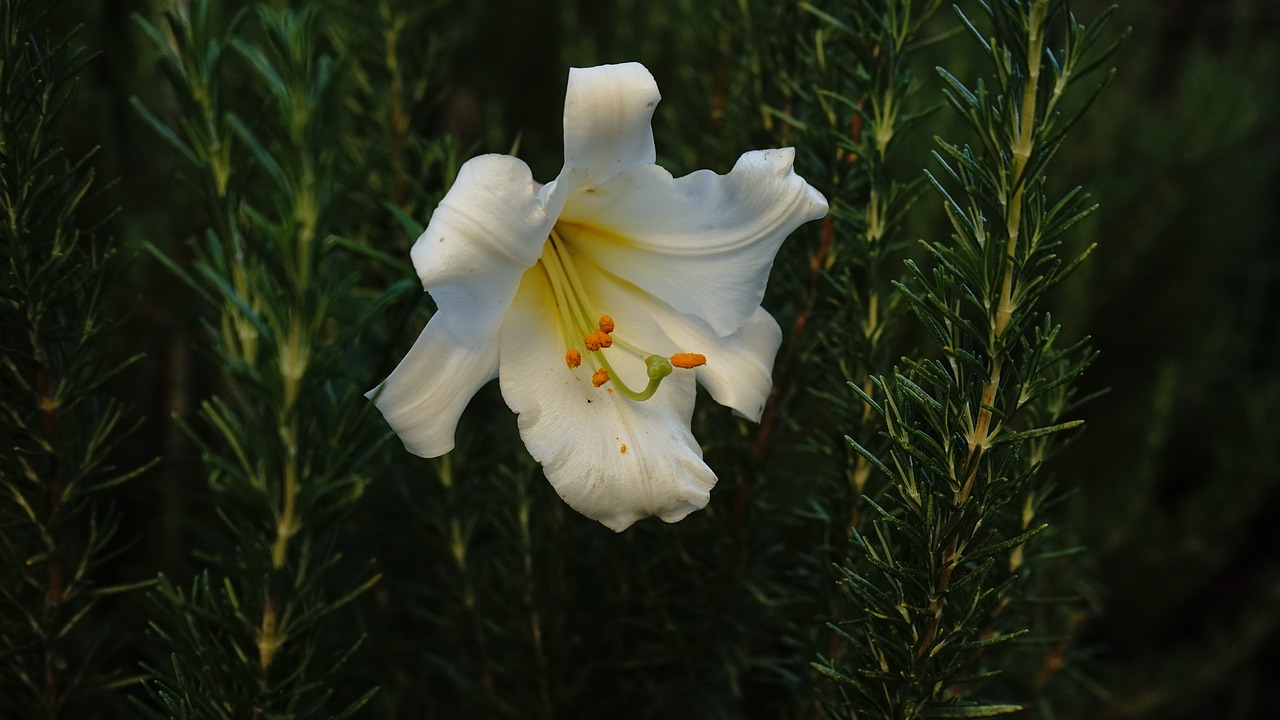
x=1174, y=486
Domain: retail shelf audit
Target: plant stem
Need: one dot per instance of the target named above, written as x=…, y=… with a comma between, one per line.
x=51, y=700
x=980, y=437
x=1023, y=144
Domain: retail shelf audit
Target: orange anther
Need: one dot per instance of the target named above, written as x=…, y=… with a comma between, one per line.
x=572, y=358
x=688, y=360
x=599, y=377
x=606, y=324
x=597, y=339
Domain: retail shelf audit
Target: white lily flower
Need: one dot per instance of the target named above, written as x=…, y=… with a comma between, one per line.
x=598, y=299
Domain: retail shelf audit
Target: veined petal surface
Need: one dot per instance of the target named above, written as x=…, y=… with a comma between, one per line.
x=610, y=458
x=703, y=243
x=607, y=115
x=488, y=229
x=425, y=395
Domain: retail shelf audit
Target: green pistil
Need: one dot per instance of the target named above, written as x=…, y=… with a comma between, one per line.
x=654, y=365
x=576, y=323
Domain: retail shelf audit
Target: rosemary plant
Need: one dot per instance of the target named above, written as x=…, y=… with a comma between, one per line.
x=60, y=424
x=970, y=423
x=312, y=141
x=284, y=441
x=845, y=91
x=867, y=96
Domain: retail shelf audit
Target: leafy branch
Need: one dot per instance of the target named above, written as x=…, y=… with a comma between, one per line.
x=969, y=425
x=60, y=428
x=283, y=445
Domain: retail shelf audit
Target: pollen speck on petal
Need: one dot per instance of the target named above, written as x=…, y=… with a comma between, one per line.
x=688, y=360
x=599, y=377
x=623, y=449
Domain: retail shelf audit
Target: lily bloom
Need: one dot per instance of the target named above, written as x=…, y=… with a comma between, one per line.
x=598, y=300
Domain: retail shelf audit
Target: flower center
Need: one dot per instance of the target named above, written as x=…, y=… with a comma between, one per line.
x=587, y=334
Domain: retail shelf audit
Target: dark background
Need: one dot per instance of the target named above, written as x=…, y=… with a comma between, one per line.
x=1175, y=485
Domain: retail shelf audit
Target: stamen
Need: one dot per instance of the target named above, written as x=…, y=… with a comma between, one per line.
x=565, y=300
x=688, y=360
x=597, y=339
x=574, y=308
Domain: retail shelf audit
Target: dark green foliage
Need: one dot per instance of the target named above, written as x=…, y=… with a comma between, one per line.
x=260, y=125
x=939, y=576
x=60, y=427
x=286, y=441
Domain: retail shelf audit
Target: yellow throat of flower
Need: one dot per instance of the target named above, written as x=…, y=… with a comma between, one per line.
x=588, y=334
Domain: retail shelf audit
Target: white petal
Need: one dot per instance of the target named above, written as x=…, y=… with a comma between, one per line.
x=738, y=373
x=610, y=458
x=489, y=228
x=703, y=243
x=426, y=394
x=607, y=110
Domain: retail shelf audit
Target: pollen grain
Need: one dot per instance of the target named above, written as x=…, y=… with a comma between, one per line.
x=597, y=339
x=688, y=360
